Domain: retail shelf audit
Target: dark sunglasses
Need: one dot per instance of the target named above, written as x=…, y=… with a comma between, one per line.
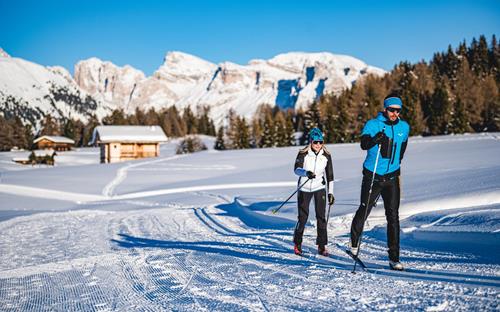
x=394, y=109
x=317, y=142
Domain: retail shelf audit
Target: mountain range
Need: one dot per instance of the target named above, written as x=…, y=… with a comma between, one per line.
x=290, y=80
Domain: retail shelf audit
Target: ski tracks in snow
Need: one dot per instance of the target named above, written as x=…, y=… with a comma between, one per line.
x=121, y=173
x=199, y=258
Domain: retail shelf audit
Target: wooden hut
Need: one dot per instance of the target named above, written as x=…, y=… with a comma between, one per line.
x=57, y=143
x=120, y=143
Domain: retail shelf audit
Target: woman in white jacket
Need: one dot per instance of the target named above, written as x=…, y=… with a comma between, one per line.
x=313, y=162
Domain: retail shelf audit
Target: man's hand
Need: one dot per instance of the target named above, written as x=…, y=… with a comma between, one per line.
x=310, y=175
x=379, y=137
x=331, y=199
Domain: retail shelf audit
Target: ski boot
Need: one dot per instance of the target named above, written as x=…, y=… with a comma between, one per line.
x=297, y=249
x=396, y=265
x=322, y=251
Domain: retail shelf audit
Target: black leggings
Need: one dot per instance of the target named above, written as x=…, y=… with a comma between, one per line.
x=390, y=191
x=304, y=198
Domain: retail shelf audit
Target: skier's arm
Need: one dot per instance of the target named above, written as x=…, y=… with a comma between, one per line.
x=370, y=136
x=403, y=149
x=299, y=164
x=329, y=173
x=405, y=143
x=367, y=142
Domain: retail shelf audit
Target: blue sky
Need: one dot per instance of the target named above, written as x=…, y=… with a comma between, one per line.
x=139, y=33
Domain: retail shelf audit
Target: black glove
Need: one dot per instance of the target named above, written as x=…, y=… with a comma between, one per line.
x=379, y=137
x=331, y=199
x=310, y=175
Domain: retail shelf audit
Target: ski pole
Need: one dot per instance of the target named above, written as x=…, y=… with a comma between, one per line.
x=367, y=203
x=328, y=215
x=282, y=204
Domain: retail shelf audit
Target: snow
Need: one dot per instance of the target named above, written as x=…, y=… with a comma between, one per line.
x=196, y=232
x=186, y=80
x=30, y=84
x=107, y=134
x=55, y=139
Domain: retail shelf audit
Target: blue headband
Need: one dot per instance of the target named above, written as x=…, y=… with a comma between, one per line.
x=393, y=101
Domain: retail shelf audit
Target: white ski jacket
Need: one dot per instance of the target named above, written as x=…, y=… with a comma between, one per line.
x=320, y=164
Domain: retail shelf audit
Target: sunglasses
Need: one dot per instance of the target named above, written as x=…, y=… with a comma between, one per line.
x=317, y=142
x=393, y=109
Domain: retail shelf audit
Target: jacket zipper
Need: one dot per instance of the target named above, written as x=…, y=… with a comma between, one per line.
x=394, y=153
x=311, y=185
x=390, y=160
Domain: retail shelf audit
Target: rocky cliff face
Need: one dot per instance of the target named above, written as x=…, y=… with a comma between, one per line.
x=288, y=80
x=291, y=80
x=31, y=91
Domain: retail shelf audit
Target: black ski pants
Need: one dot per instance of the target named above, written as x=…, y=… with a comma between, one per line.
x=389, y=189
x=304, y=198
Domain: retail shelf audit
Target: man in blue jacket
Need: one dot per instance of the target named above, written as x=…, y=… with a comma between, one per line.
x=389, y=133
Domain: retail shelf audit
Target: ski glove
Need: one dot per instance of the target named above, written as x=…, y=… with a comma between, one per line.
x=310, y=175
x=379, y=137
x=331, y=199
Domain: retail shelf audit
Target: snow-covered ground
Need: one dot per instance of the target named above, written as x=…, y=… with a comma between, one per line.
x=195, y=232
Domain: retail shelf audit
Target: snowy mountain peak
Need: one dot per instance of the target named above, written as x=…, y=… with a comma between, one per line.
x=288, y=80
x=3, y=53
x=184, y=66
x=107, y=81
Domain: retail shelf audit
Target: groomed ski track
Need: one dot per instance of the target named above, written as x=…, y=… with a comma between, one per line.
x=133, y=250
x=196, y=258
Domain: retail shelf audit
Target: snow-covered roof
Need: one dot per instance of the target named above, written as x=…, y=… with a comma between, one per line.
x=43, y=153
x=144, y=134
x=55, y=139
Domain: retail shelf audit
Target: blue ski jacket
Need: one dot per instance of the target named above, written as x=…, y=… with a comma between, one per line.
x=392, y=147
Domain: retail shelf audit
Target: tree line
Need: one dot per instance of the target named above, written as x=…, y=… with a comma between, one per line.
x=457, y=91
x=174, y=123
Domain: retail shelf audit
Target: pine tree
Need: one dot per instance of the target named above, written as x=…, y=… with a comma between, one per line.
x=468, y=90
x=282, y=137
x=268, y=137
x=232, y=129
x=68, y=129
x=495, y=58
x=219, y=142
x=190, y=121
x=342, y=132
x=19, y=138
x=459, y=123
x=49, y=126
x=151, y=118
x=491, y=112
x=117, y=117
x=329, y=124
x=289, y=130
x=256, y=137
x=439, y=120
x=243, y=137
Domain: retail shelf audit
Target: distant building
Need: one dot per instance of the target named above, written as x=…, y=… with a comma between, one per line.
x=120, y=143
x=57, y=143
x=37, y=157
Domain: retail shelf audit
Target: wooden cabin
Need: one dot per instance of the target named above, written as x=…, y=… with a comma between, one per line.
x=120, y=143
x=37, y=157
x=57, y=143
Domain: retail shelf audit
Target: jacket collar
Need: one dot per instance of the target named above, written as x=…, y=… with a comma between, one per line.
x=312, y=153
x=381, y=116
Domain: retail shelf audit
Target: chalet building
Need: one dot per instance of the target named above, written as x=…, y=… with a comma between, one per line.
x=57, y=143
x=37, y=157
x=120, y=143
